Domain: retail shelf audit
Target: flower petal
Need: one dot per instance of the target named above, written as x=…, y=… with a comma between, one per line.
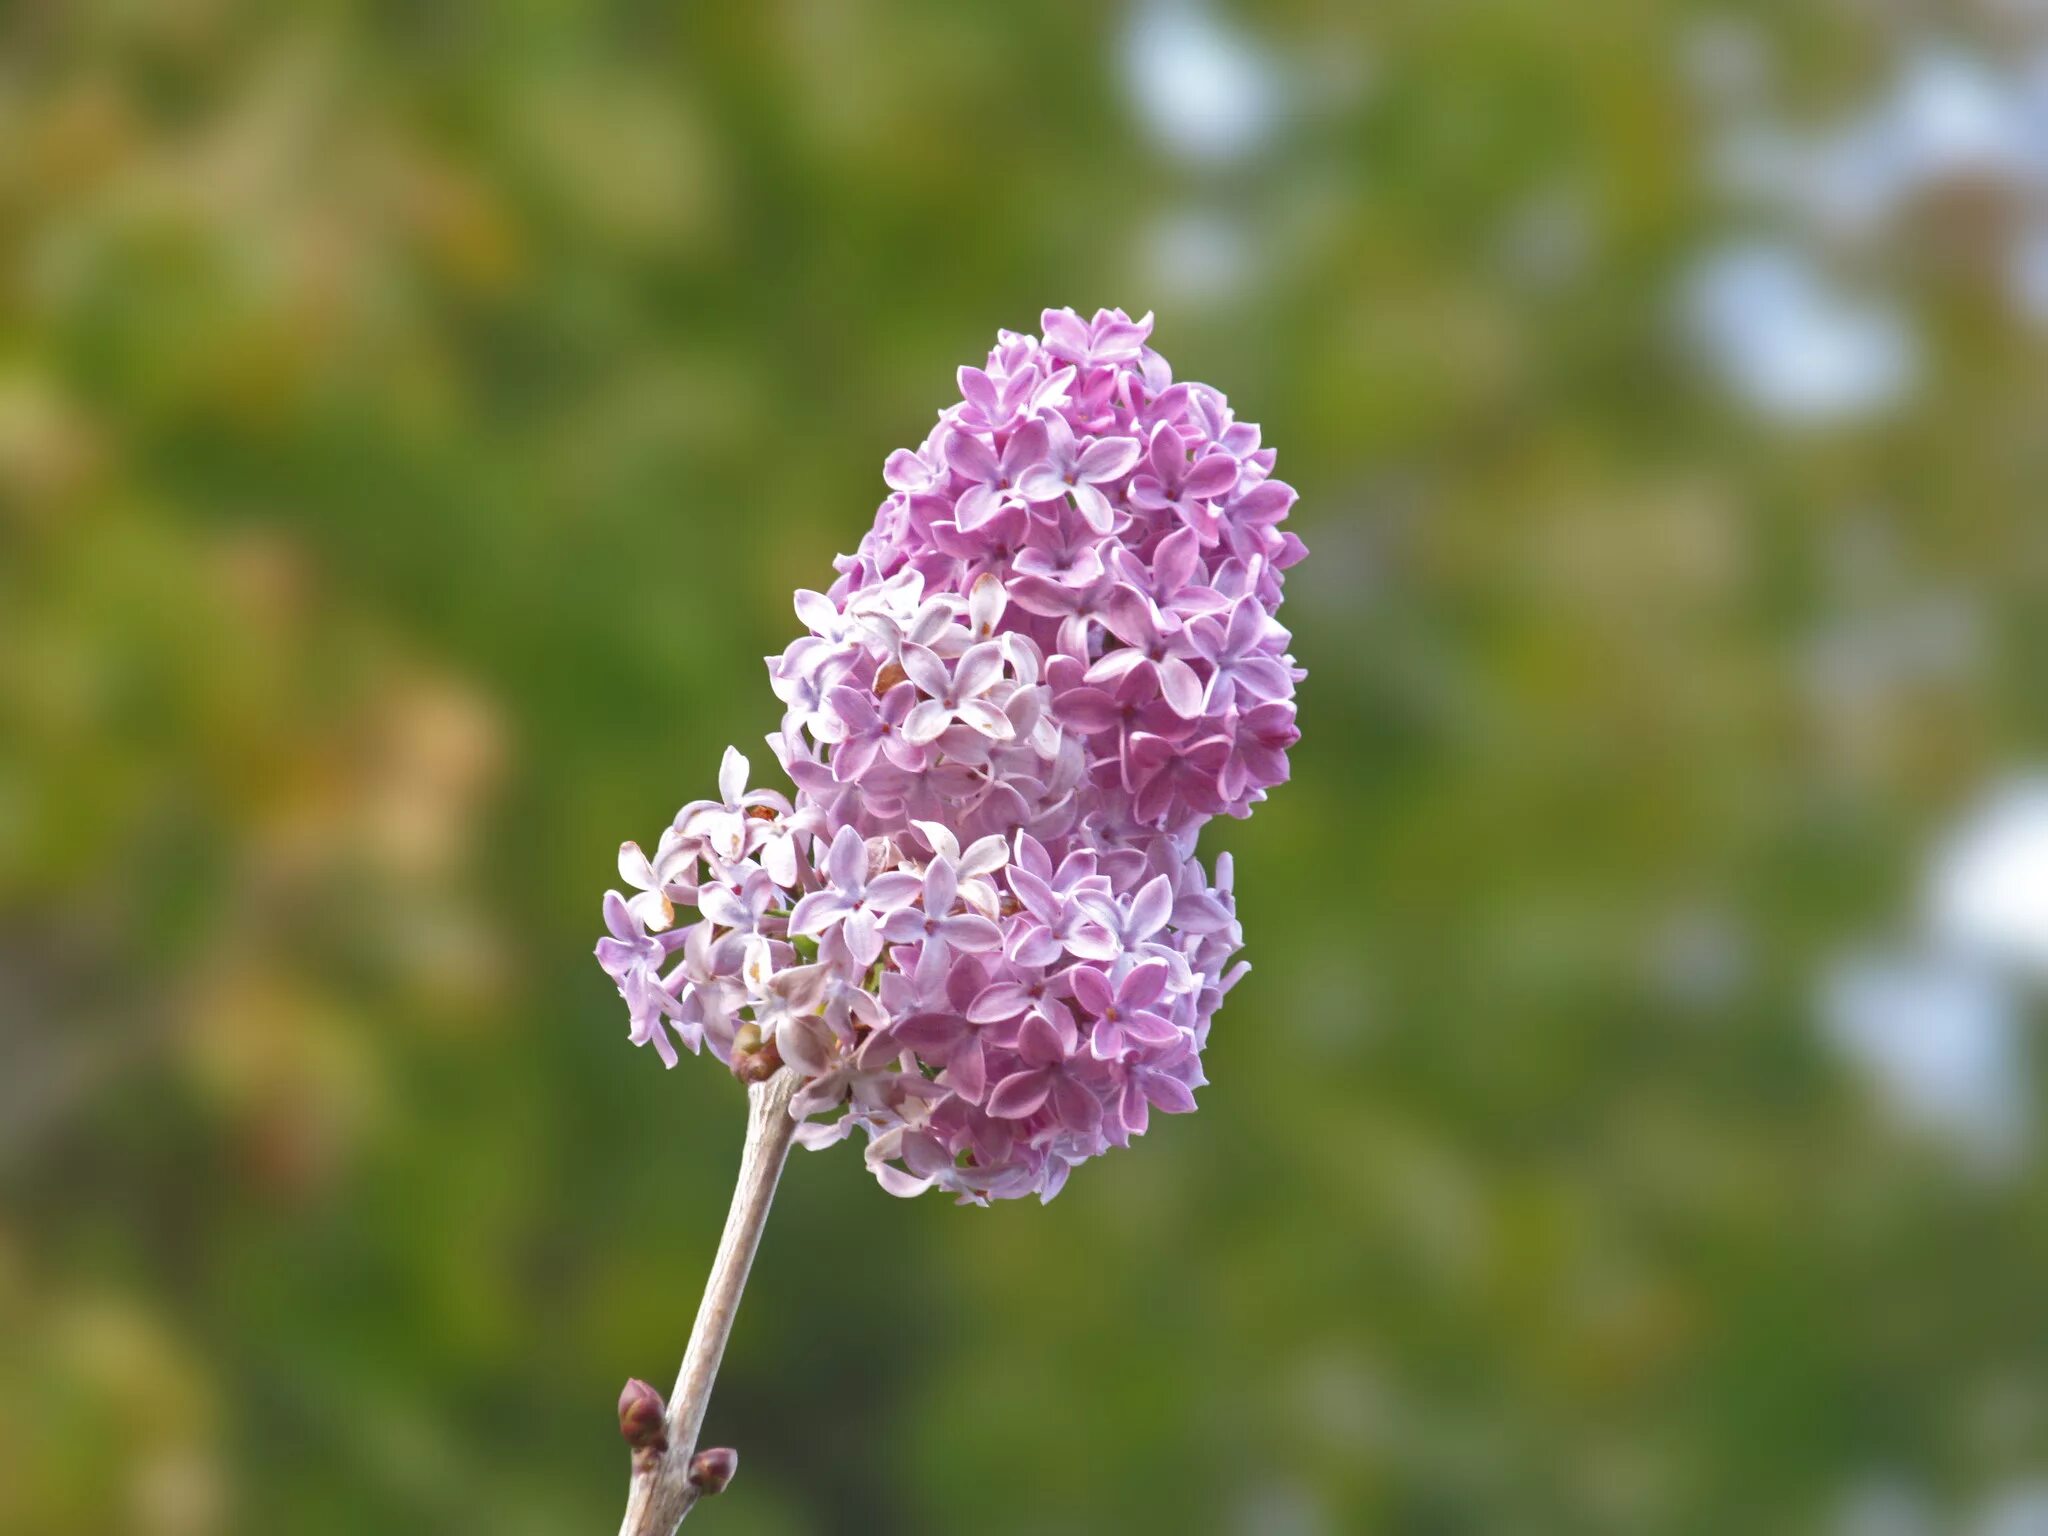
x=1166, y=455
x=986, y=601
x=1041, y=482
x=1099, y=515
x=816, y=913
x=941, y=888
x=805, y=1043
x=1020, y=1095
x=984, y=857
x=922, y=666
x=846, y=861
x=970, y=456
x=724, y=908
x=967, y=1070
x=1108, y=458
x=1027, y=446
x=976, y=671
x=1212, y=477
x=1169, y=1094
x=732, y=776
x=1150, y=909
x=1092, y=989
x=905, y=471
x=1144, y=984
x=977, y=507
x=653, y=909
x=1077, y=1108
x=972, y=934
x=926, y=722
x=896, y=888
x=634, y=868
x=998, y=1002
x=863, y=933
x=1181, y=688
x=1087, y=710
x=987, y=719
x=1150, y=1029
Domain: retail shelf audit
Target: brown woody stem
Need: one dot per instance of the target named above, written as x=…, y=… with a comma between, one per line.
x=661, y=1492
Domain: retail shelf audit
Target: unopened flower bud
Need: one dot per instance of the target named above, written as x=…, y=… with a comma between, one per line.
x=755, y=1066
x=643, y=1417
x=711, y=1471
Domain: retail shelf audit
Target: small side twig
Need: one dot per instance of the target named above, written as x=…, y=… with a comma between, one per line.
x=669, y=1474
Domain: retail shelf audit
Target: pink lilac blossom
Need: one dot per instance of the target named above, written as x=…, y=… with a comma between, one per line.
x=980, y=931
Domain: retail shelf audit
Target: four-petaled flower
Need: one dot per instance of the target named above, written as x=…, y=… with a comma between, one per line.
x=937, y=926
x=1189, y=491
x=1258, y=748
x=994, y=483
x=853, y=898
x=1047, y=1045
x=956, y=695
x=1164, y=771
x=1053, y=922
x=670, y=877
x=1068, y=469
x=867, y=727
x=722, y=824
x=1111, y=337
x=1123, y=1010
x=1243, y=650
x=1151, y=647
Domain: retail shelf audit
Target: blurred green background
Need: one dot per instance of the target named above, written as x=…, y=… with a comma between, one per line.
x=413, y=421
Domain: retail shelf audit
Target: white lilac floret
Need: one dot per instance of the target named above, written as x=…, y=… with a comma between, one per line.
x=980, y=933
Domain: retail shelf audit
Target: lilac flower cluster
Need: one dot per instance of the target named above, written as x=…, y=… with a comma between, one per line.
x=980, y=931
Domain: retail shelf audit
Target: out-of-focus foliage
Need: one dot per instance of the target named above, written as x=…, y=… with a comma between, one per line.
x=413, y=420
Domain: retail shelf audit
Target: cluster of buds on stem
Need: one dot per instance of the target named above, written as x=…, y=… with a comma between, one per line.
x=643, y=1420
